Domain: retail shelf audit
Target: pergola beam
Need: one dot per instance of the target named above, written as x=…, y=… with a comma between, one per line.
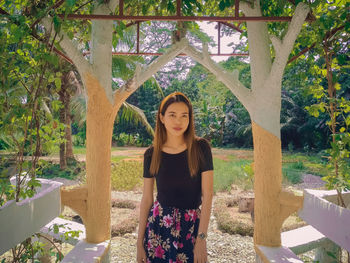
x=159, y=54
x=178, y=18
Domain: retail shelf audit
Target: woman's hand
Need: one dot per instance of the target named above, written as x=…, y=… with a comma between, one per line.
x=141, y=253
x=200, y=251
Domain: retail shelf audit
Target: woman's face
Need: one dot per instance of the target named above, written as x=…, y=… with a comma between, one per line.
x=176, y=118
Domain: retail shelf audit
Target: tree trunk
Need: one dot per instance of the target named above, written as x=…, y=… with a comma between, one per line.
x=99, y=129
x=63, y=160
x=68, y=131
x=267, y=187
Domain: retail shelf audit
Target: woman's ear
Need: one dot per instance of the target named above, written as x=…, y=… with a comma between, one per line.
x=161, y=118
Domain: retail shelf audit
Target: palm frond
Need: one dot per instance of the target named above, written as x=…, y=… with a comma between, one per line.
x=154, y=82
x=131, y=113
x=243, y=129
x=78, y=109
x=124, y=66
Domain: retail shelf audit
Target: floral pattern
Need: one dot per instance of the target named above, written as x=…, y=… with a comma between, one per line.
x=170, y=234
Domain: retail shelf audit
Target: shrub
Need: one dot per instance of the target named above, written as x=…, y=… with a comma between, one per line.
x=126, y=175
x=123, y=204
x=228, y=224
x=47, y=169
x=293, y=172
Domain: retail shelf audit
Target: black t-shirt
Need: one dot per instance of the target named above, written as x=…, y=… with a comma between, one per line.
x=175, y=186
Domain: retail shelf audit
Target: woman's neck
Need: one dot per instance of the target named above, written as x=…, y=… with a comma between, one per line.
x=175, y=142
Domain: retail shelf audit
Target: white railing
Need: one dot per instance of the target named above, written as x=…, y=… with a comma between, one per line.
x=327, y=221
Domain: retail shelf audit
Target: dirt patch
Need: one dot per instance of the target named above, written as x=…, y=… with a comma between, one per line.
x=310, y=182
x=123, y=220
x=133, y=159
x=124, y=216
x=231, y=221
x=222, y=157
x=238, y=154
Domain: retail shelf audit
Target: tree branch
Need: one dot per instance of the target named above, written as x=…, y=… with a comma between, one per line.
x=232, y=26
x=246, y=8
x=284, y=47
x=141, y=75
x=229, y=79
x=301, y=53
x=68, y=46
x=77, y=9
x=60, y=255
x=3, y=12
x=113, y=4
x=329, y=34
x=54, y=6
x=33, y=33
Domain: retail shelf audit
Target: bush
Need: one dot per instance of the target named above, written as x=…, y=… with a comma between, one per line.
x=48, y=169
x=228, y=224
x=123, y=204
x=293, y=172
x=126, y=175
x=79, y=139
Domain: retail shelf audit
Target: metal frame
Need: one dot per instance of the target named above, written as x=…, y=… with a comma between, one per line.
x=138, y=19
x=179, y=17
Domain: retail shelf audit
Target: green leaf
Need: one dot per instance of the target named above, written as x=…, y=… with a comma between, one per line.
x=57, y=23
x=58, y=83
x=55, y=228
x=70, y=3
x=222, y=5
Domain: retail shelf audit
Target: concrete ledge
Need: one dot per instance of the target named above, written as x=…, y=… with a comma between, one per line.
x=276, y=255
x=21, y=220
x=303, y=239
x=85, y=252
x=328, y=218
x=68, y=225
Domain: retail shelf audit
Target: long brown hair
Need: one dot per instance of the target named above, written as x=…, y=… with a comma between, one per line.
x=160, y=135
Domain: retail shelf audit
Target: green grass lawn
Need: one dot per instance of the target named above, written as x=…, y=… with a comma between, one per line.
x=82, y=150
x=230, y=172
x=127, y=175
x=296, y=164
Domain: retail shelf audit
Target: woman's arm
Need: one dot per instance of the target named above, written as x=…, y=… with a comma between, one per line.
x=146, y=203
x=200, y=249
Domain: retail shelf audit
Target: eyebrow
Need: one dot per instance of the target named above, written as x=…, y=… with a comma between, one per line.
x=175, y=112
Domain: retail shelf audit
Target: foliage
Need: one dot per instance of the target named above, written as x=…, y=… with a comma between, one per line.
x=330, y=89
x=68, y=232
x=126, y=175
x=75, y=170
x=124, y=139
x=293, y=173
x=248, y=171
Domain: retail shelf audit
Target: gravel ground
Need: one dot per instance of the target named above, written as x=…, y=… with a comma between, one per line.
x=222, y=247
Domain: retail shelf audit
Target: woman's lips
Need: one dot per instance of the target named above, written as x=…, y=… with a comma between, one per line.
x=177, y=129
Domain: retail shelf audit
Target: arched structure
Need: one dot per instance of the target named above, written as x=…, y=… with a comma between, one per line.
x=263, y=102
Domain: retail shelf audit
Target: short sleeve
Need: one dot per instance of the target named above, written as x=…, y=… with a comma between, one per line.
x=147, y=157
x=207, y=163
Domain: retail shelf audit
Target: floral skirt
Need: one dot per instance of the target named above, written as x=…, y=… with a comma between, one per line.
x=170, y=234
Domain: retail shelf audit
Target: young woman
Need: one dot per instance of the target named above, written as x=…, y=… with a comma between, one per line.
x=174, y=227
